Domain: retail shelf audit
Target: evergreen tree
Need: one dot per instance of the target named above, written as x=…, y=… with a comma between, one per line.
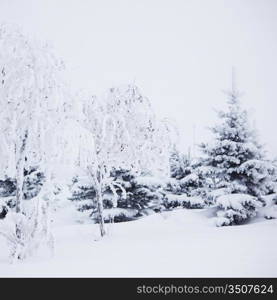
x=139, y=196
x=186, y=175
x=180, y=164
x=235, y=161
x=235, y=158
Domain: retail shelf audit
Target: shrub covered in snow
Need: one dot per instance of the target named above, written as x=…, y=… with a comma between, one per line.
x=236, y=208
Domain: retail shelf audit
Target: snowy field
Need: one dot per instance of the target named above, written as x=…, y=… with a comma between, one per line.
x=182, y=243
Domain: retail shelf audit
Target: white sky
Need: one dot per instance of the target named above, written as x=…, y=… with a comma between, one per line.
x=180, y=52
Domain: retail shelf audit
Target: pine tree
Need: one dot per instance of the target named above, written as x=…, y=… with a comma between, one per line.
x=235, y=161
x=186, y=175
x=180, y=164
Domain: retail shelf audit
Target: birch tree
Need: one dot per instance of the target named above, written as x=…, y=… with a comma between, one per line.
x=30, y=105
x=126, y=134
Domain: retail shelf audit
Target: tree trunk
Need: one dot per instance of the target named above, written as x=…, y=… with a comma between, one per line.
x=19, y=184
x=20, y=172
x=99, y=200
x=20, y=180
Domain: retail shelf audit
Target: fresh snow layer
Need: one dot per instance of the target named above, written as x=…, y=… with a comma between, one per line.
x=236, y=201
x=181, y=243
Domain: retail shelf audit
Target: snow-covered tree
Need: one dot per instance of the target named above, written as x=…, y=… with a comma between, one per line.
x=30, y=93
x=180, y=164
x=140, y=195
x=235, y=161
x=126, y=135
x=188, y=177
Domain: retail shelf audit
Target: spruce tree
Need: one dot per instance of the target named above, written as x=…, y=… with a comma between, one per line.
x=180, y=164
x=186, y=175
x=236, y=162
x=142, y=195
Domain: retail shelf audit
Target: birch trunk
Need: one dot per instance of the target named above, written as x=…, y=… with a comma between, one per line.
x=20, y=180
x=100, y=209
x=20, y=173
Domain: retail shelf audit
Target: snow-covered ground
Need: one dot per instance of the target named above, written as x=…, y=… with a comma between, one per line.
x=182, y=243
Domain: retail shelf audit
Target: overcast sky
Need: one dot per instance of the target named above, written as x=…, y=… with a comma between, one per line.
x=179, y=52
